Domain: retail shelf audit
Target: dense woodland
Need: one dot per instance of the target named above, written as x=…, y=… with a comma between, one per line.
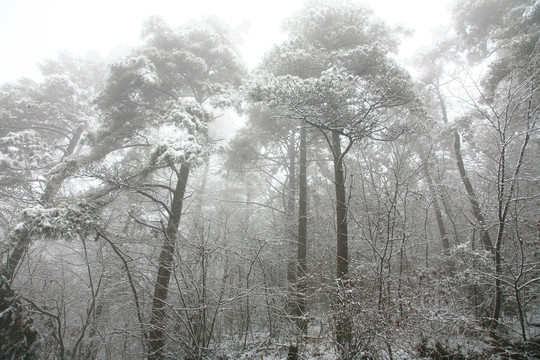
x=367, y=208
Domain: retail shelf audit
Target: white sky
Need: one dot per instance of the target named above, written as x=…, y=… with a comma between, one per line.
x=32, y=30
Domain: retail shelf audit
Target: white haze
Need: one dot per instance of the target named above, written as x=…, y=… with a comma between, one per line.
x=32, y=30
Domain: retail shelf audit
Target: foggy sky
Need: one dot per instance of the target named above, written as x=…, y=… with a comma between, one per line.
x=32, y=30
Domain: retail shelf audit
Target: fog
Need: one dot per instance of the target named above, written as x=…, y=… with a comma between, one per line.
x=32, y=30
x=279, y=180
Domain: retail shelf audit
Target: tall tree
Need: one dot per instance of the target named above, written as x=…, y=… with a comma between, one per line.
x=356, y=95
x=506, y=35
x=163, y=91
x=432, y=63
x=289, y=58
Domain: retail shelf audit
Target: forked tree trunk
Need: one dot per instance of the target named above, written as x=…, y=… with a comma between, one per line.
x=157, y=334
x=54, y=184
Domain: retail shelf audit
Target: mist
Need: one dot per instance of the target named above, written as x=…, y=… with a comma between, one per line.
x=290, y=180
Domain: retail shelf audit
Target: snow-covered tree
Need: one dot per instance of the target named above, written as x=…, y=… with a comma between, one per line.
x=41, y=128
x=355, y=92
x=160, y=98
x=505, y=36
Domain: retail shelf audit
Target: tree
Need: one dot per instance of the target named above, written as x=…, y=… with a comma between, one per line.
x=157, y=98
x=506, y=35
x=290, y=59
x=432, y=63
x=41, y=127
x=356, y=95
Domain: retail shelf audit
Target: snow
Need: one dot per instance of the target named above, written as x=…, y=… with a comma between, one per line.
x=178, y=135
x=19, y=226
x=67, y=220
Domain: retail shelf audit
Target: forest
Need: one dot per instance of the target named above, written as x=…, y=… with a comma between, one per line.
x=334, y=202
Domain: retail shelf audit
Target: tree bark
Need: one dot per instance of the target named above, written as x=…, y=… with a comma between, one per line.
x=302, y=233
x=436, y=208
x=290, y=210
x=165, y=264
x=341, y=210
x=343, y=324
x=473, y=199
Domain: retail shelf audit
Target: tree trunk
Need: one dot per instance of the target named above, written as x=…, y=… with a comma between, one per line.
x=498, y=284
x=341, y=210
x=477, y=211
x=165, y=265
x=290, y=210
x=55, y=182
x=343, y=324
x=200, y=321
x=436, y=209
x=8, y=271
x=473, y=199
x=504, y=206
x=302, y=233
